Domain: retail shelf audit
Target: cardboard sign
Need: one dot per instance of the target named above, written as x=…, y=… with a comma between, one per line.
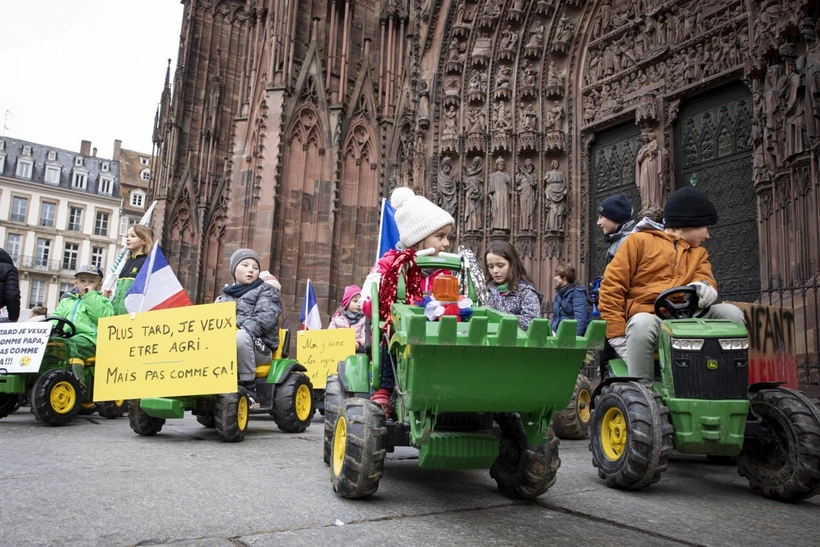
x=22, y=346
x=772, y=355
x=321, y=350
x=165, y=353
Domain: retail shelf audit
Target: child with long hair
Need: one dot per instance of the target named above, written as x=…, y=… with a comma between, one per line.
x=508, y=286
x=138, y=241
x=350, y=315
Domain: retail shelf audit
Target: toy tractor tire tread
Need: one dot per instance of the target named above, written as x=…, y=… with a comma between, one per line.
x=648, y=436
x=573, y=422
x=43, y=397
x=789, y=471
x=141, y=423
x=111, y=410
x=287, y=403
x=9, y=403
x=523, y=471
x=87, y=409
x=359, y=468
x=333, y=400
x=206, y=420
x=231, y=415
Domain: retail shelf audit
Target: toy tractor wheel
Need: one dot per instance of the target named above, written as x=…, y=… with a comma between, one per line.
x=87, y=409
x=9, y=403
x=523, y=471
x=573, y=421
x=293, y=404
x=112, y=409
x=333, y=399
x=631, y=436
x=55, y=397
x=359, y=449
x=783, y=465
x=231, y=415
x=141, y=422
x=206, y=420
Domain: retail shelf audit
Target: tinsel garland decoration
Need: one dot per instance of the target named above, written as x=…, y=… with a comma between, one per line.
x=390, y=282
x=470, y=263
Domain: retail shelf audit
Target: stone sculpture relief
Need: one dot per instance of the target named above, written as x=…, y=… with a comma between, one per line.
x=499, y=193
x=447, y=187
x=555, y=190
x=474, y=195
x=526, y=186
x=650, y=172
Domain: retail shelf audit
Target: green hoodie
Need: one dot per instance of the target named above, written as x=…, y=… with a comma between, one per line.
x=84, y=312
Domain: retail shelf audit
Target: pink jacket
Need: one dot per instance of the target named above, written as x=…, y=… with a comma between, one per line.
x=340, y=321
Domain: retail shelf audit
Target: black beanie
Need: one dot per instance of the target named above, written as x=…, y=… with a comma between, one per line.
x=616, y=208
x=689, y=208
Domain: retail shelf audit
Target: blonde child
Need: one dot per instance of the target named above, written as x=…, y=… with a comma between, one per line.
x=138, y=241
x=258, y=306
x=350, y=315
x=508, y=286
x=422, y=225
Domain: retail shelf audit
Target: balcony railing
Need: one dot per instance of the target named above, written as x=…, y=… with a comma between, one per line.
x=18, y=217
x=38, y=263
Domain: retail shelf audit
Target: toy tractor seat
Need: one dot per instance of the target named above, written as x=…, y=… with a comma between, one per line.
x=280, y=353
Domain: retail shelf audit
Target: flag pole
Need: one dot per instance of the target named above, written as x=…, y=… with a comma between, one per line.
x=150, y=271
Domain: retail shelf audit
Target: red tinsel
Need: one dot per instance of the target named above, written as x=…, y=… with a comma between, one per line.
x=390, y=281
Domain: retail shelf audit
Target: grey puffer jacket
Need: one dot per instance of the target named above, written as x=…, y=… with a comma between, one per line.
x=257, y=311
x=616, y=239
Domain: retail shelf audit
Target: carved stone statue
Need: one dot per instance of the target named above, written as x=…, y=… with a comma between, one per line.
x=773, y=130
x=478, y=120
x=555, y=78
x=556, y=193
x=603, y=19
x=650, y=169
x=528, y=74
x=450, y=116
x=447, y=187
x=502, y=119
x=509, y=38
x=424, y=100
x=474, y=194
x=810, y=65
x=502, y=79
x=537, y=37
x=794, y=106
x=526, y=186
x=499, y=193
x=565, y=28
x=555, y=116
x=529, y=119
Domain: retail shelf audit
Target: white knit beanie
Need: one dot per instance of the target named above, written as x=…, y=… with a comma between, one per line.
x=417, y=217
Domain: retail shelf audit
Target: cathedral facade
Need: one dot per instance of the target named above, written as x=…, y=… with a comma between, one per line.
x=287, y=121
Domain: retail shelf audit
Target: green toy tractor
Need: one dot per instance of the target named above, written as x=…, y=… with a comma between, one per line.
x=702, y=403
x=284, y=391
x=61, y=388
x=478, y=394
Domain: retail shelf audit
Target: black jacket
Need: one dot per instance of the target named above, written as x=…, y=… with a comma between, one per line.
x=9, y=286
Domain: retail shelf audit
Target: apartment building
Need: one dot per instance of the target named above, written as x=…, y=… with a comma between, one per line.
x=135, y=174
x=58, y=209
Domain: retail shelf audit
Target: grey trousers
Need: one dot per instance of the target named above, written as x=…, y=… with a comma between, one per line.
x=247, y=356
x=642, y=338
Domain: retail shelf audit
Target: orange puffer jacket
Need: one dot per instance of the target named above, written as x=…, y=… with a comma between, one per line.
x=648, y=263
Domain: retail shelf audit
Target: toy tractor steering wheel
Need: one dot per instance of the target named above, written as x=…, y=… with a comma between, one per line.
x=679, y=303
x=58, y=329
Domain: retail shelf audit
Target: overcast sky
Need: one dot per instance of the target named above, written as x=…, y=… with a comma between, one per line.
x=73, y=70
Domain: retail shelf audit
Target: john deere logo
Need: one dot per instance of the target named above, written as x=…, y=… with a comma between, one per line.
x=712, y=364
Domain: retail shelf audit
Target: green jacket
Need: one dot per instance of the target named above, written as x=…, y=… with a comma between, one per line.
x=84, y=312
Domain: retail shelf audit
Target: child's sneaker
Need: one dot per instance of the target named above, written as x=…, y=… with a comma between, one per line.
x=253, y=404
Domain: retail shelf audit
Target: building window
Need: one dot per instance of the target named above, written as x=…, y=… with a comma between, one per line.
x=137, y=199
x=72, y=251
x=52, y=175
x=143, y=161
x=43, y=252
x=97, y=256
x=125, y=222
x=14, y=245
x=105, y=167
x=24, y=166
x=79, y=180
x=145, y=175
x=101, y=224
x=52, y=155
x=78, y=161
x=19, y=207
x=47, y=213
x=106, y=185
x=75, y=219
x=37, y=294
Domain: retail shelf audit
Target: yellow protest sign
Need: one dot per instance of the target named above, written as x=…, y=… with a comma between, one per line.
x=164, y=353
x=321, y=350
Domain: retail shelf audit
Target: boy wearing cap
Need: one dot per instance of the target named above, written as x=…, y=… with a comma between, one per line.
x=615, y=220
x=350, y=315
x=258, y=306
x=655, y=258
x=84, y=306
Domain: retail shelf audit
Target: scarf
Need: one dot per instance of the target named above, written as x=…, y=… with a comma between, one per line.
x=236, y=290
x=353, y=318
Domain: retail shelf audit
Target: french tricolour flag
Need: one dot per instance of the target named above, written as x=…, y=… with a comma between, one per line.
x=388, y=229
x=310, y=311
x=155, y=287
